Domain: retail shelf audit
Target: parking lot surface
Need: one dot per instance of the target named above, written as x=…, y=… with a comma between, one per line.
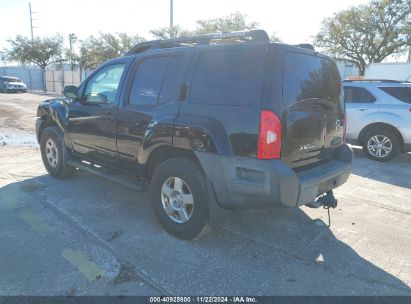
x=89, y=236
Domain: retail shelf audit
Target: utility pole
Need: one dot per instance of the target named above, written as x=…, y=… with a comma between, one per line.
x=171, y=14
x=31, y=21
x=72, y=40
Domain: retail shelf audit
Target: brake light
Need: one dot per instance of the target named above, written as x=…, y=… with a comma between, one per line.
x=269, y=139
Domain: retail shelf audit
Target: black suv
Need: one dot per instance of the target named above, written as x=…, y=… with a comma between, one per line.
x=215, y=121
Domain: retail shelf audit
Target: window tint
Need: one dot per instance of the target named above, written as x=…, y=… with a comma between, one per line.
x=102, y=87
x=401, y=93
x=357, y=95
x=228, y=78
x=147, y=81
x=307, y=76
x=171, y=78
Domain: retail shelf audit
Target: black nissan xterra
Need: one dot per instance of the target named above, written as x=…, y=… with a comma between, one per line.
x=215, y=121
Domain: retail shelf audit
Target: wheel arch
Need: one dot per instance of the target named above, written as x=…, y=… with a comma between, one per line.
x=381, y=125
x=45, y=122
x=164, y=153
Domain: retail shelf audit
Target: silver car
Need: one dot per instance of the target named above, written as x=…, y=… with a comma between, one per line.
x=9, y=84
x=378, y=116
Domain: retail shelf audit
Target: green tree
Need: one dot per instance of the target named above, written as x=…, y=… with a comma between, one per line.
x=40, y=51
x=96, y=50
x=169, y=33
x=367, y=33
x=233, y=22
x=274, y=37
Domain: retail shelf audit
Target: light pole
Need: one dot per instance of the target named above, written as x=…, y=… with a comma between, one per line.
x=171, y=15
x=31, y=21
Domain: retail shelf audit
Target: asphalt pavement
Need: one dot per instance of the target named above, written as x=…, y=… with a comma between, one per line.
x=89, y=236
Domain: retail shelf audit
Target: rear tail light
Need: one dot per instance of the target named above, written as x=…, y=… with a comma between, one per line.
x=269, y=139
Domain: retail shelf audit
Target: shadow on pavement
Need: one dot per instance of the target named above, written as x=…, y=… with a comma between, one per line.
x=255, y=252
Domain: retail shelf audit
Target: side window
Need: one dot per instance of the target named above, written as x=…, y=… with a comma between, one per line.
x=149, y=76
x=401, y=93
x=357, y=95
x=102, y=87
x=233, y=77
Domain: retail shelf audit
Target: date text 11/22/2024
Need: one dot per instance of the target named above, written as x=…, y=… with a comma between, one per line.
x=204, y=299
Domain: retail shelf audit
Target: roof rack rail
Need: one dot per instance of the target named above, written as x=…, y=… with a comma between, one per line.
x=305, y=46
x=373, y=80
x=246, y=36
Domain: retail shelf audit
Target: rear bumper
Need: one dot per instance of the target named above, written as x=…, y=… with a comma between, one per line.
x=240, y=182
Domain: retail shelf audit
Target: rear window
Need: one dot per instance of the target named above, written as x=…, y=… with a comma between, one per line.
x=230, y=77
x=401, y=93
x=307, y=77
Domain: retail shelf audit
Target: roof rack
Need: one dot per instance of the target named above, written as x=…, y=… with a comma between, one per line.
x=244, y=36
x=373, y=80
x=305, y=46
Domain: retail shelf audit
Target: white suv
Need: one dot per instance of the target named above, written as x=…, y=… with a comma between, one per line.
x=378, y=116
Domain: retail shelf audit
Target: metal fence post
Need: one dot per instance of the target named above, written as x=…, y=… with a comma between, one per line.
x=31, y=85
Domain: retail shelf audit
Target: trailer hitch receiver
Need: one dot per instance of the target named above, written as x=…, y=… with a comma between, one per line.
x=327, y=200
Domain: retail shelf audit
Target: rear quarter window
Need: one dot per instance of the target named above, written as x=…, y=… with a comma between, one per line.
x=229, y=77
x=307, y=76
x=401, y=93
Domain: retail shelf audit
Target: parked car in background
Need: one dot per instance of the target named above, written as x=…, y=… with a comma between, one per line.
x=378, y=116
x=9, y=84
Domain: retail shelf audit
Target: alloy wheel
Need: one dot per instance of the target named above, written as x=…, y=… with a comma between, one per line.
x=379, y=146
x=51, y=153
x=177, y=200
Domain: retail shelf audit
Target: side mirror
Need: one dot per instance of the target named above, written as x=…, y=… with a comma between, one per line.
x=71, y=92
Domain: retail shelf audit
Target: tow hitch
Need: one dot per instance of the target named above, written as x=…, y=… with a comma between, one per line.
x=327, y=201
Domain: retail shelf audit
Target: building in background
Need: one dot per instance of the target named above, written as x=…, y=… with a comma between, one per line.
x=400, y=71
x=347, y=69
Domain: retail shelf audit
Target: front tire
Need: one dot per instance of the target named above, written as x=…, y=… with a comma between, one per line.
x=381, y=144
x=54, y=153
x=180, y=198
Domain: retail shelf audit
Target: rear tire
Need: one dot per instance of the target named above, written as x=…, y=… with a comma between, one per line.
x=180, y=198
x=381, y=144
x=54, y=153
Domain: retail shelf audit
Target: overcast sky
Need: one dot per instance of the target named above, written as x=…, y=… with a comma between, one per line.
x=295, y=21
